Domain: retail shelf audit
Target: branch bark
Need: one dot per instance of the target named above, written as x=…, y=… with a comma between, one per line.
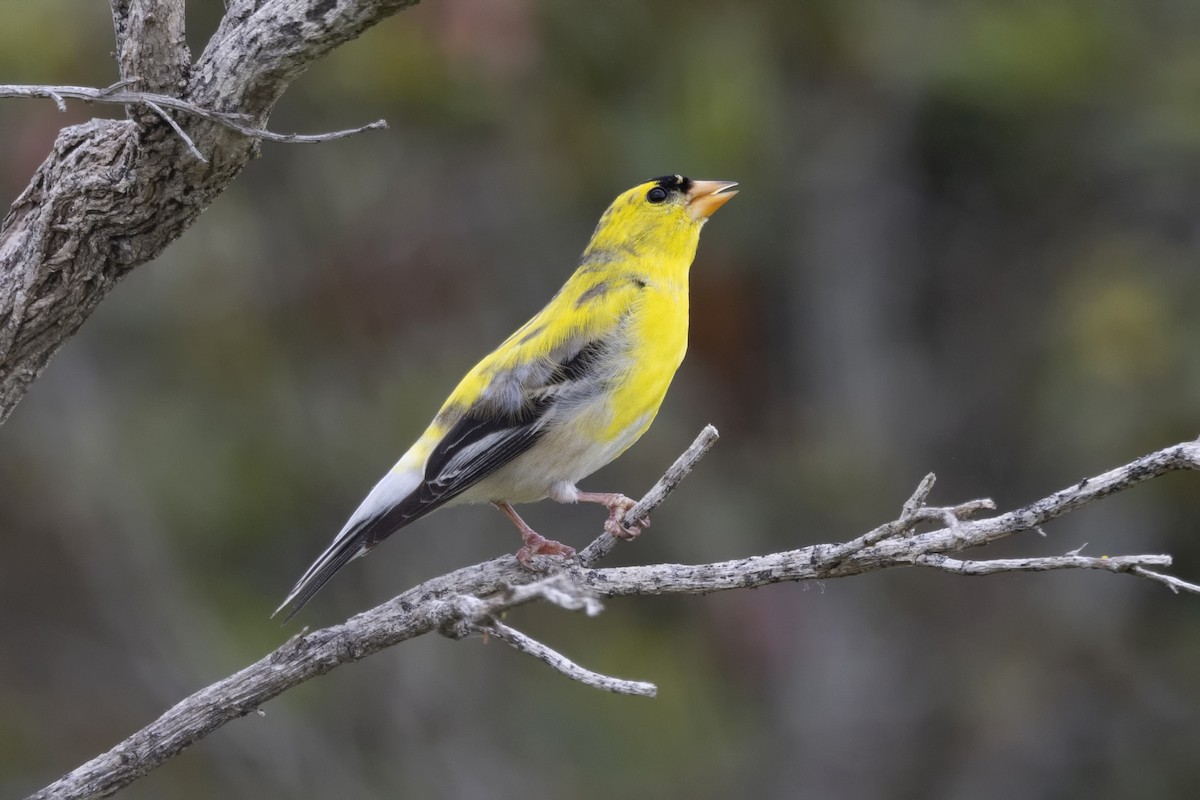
x=469, y=600
x=113, y=194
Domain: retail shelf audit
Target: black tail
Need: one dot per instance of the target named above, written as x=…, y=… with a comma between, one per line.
x=474, y=448
x=356, y=539
x=345, y=548
x=339, y=554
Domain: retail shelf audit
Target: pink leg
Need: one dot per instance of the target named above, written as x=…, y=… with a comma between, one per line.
x=535, y=543
x=618, y=506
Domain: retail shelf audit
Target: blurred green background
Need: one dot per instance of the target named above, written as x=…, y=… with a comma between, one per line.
x=966, y=242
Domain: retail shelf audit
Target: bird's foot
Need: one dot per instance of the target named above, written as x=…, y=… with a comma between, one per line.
x=535, y=543
x=617, y=528
x=618, y=506
x=538, y=545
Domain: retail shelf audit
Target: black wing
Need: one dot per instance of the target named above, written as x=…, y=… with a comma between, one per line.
x=487, y=437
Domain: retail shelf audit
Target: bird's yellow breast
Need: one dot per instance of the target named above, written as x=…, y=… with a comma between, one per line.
x=656, y=343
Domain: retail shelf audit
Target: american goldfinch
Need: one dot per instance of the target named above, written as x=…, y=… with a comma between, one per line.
x=567, y=393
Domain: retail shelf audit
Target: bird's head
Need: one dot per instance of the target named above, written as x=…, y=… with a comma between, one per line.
x=661, y=216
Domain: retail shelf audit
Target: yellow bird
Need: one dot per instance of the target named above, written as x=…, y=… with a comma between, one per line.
x=567, y=393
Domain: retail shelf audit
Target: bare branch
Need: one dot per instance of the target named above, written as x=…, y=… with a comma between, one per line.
x=919, y=496
x=1176, y=585
x=912, y=513
x=1069, y=561
x=1183, y=456
x=524, y=644
x=470, y=599
x=156, y=102
x=557, y=590
x=308, y=138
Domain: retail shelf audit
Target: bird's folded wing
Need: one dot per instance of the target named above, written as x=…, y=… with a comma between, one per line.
x=479, y=444
x=508, y=420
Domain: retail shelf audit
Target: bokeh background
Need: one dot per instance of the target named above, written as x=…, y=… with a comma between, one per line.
x=966, y=243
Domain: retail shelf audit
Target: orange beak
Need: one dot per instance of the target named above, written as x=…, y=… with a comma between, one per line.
x=705, y=197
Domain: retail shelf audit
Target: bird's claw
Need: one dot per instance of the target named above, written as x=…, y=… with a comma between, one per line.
x=616, y=514
x=538, y=545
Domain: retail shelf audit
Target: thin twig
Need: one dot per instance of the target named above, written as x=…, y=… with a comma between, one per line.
x=157, y=109
x=912, y=513
x=1176, y=585
x=117, y=95
x=995, y=565
x=557, y=590
x=566, y=666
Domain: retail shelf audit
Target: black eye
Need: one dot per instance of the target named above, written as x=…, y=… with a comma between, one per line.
x=656, y=195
